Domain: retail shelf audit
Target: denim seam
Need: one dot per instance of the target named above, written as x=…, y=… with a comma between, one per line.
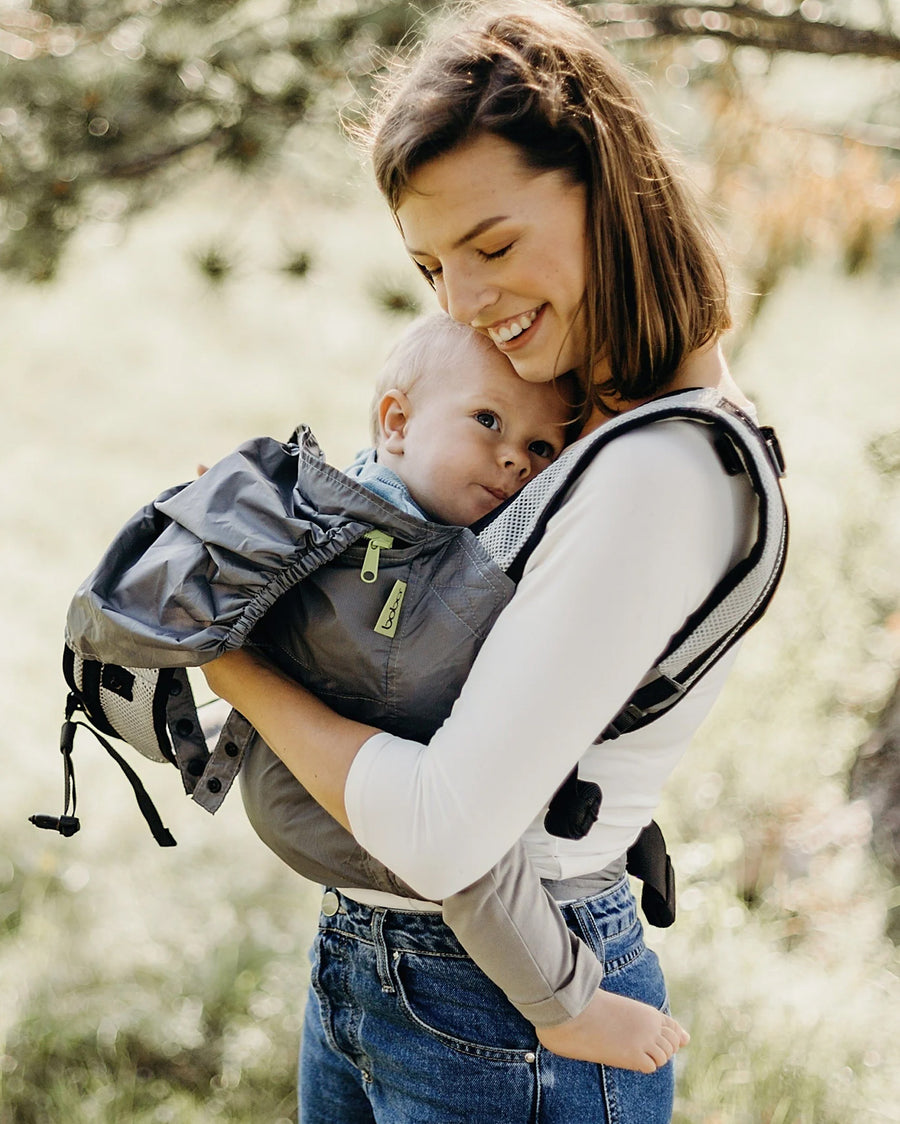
x=623, y=961
x=588, y=931
x=609, y=1102
x=440, y=954
x=382, y=955
x=343, y=934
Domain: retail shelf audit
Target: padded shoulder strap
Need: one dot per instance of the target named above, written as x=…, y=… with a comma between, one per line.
x=735, y=603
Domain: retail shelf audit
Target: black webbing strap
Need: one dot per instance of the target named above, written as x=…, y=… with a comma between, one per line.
x=647, y=859
x=67, y=824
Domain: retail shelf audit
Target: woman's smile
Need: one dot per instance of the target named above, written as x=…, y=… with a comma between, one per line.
x=506, y=330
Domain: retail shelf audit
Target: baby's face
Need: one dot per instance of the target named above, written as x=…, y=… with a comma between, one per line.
x=477, y=434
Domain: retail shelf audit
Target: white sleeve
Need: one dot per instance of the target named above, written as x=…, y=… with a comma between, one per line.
x=639, y=543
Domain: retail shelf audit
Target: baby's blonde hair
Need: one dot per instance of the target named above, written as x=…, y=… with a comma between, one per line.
x=432, y=346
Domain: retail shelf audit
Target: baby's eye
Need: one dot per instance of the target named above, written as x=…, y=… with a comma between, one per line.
x=487, y=419
x=542, y=449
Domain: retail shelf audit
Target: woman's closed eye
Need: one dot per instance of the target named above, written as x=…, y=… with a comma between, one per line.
x=495, y=254
x=428, y=274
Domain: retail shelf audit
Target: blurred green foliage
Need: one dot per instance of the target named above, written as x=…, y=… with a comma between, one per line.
x=105, y=103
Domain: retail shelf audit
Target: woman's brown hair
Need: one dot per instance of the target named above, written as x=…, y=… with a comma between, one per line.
x=534, y=73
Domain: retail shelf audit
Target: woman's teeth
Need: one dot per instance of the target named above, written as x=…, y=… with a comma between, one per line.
x=513, y=328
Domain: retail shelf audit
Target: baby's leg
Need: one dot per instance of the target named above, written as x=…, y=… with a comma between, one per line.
x=516, y=934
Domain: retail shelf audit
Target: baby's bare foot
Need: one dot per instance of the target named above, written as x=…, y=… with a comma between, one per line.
x=613, y=1030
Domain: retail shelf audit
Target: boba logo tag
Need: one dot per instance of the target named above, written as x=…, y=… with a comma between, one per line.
x=390, y=614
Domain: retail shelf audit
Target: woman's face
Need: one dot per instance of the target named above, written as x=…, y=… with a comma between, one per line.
x=506, y=249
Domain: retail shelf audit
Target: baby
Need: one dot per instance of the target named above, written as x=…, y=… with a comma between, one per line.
x=456, y=433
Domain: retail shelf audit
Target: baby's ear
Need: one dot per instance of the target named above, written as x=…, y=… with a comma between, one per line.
x=394, y=412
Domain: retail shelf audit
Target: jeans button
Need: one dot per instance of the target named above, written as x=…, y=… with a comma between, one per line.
x=530, y=1058
x=331, y=903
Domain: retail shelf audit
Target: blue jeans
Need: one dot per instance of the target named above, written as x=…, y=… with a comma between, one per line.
x=402, y=1028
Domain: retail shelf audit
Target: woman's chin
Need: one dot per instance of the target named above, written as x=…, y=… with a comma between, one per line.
x=532, y=368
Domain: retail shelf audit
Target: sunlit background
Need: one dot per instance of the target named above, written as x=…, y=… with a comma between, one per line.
x=191, y=255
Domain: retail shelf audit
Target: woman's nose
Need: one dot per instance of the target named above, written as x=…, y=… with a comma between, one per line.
x=464, y=294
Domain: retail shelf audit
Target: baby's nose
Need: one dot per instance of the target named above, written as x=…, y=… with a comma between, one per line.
x=517, y=462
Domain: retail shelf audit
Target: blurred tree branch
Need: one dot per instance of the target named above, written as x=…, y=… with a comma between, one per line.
x=106, y=105
x=747, y=25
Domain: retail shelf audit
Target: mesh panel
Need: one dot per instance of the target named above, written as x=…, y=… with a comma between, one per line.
x=724, y=619
x=503, y=538
x=134, y=720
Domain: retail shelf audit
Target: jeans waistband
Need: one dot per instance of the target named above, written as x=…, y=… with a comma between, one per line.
x=613, y=911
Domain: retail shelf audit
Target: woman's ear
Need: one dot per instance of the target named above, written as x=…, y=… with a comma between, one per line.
x=394, y=412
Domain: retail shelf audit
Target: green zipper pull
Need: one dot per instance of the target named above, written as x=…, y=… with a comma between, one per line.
x=378, y=541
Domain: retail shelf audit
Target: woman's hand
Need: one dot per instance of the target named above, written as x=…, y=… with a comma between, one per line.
x=317, y=745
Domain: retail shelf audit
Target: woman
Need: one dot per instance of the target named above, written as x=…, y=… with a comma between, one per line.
x=529, y=189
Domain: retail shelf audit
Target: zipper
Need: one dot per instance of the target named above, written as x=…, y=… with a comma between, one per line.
x=378, y=541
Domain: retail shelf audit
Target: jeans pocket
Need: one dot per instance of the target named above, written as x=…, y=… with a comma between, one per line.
x=452, y=1000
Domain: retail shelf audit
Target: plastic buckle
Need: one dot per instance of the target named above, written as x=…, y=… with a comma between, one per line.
x=773, y=447
x=624, y=721
x=677, y=688
x=65, y=825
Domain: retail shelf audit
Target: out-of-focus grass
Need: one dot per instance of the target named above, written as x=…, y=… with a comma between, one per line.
x=147, y=985
x=150, y=985
x=778, y=961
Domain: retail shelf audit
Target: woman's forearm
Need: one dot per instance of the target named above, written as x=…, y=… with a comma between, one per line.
x=317, y=745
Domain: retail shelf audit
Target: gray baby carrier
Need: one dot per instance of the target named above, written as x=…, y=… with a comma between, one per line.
x=125, y=657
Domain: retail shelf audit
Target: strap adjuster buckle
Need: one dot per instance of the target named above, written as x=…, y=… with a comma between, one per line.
x=624, y=721
x=773, y=447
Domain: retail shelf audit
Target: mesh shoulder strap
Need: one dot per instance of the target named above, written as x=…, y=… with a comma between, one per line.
x=736, y=602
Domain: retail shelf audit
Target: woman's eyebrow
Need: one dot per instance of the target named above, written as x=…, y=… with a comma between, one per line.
x=478, y=228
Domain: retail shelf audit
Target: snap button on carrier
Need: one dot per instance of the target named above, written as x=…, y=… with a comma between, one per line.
x=331, y=903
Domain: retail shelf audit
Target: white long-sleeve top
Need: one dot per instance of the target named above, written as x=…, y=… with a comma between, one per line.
x=641, y=540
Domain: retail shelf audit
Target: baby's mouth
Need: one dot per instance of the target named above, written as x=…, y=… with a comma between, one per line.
x=498, y=493
x=513, y=328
